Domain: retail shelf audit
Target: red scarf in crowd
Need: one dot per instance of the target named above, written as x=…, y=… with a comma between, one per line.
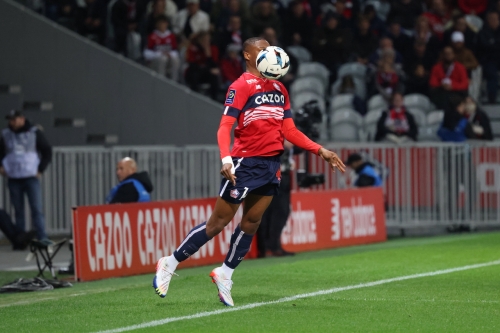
x=396, y=119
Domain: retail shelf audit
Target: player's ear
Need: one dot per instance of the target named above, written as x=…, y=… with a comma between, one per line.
x=246, y=55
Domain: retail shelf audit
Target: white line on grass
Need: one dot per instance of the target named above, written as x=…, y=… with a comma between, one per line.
x=299, y=296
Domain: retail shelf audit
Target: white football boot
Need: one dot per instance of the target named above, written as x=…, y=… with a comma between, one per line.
x=162, y=277
x=223, y=285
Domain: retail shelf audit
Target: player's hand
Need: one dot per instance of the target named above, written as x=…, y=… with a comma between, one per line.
x=226, y=172
x=332, y=159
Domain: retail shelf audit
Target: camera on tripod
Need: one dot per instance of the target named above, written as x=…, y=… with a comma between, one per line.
x=308, y=119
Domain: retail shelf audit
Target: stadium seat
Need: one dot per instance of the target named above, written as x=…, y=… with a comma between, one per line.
x=359, y=84
x=475, y=22
x=308, y=83
x=370, y=123
x=428, y=133
x=493, y=111
x=377, y=102
x=495, y=128
x=346, y=116
x=353, y=68
x=341, y=101
x=344, y=132
x=417, y=101
x=419, y=115
x=300, y=52
x=302, y=98
x=435, y=118
x=314, y=69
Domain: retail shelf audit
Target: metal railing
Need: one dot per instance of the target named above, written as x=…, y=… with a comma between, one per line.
x=431, y=184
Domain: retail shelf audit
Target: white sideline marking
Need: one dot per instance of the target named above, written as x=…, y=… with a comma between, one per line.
x=299, y=296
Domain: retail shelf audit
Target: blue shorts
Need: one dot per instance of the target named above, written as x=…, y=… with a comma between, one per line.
x=257, y=175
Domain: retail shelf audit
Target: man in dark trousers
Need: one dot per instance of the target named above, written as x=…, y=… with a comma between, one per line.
x=276, y=215
x=18, y=238
x=25, y=154
x=367, y=175
x=133, y=187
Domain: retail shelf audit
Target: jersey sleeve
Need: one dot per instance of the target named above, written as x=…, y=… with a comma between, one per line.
x=287, y=108
x=236, y=98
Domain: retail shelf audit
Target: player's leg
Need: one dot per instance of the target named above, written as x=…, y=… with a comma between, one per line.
x=223, y=213
x=253, y=209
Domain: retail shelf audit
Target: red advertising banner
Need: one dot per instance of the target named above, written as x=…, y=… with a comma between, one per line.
x=128, y=239
x=123, y=240
x=328, y=219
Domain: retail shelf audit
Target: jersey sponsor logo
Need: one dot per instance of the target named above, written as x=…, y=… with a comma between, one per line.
x=269, y=98
x=252, y=81
x=234, y=193
x=277, y=86
x=230, y=96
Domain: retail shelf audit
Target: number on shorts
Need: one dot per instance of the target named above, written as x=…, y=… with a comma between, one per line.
x=244, y=193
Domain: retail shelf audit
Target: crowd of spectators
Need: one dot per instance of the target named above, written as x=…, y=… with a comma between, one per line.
x=415, y=46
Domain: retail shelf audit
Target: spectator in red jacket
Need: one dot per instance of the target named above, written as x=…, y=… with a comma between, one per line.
x=202, y=58
x=231, y=67
x=473, y=7
x=438, y=17
x=161, y=51
x=448, y=77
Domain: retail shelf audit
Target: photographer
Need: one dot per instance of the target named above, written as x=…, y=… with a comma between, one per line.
x=274, y=219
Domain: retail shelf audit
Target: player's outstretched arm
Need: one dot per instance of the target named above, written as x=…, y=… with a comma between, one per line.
x=224, y=141
x=299, y=139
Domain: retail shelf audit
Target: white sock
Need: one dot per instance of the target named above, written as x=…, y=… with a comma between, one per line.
x=228, y=271
x=172, y=263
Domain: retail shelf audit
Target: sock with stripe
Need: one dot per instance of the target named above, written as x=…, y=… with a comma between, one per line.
x=196, y=238
x=240, y=245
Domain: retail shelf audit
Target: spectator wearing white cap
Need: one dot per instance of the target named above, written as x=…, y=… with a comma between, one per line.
x=191, y=20
x=462, y=54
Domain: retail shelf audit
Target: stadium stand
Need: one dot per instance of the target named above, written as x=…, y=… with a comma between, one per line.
x=379, y=62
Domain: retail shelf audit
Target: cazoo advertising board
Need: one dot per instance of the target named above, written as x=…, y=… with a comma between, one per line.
x=128, y=239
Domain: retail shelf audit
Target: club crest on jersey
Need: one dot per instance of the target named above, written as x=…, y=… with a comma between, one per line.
x=230, y=96
x=234, y=193
x=277, y=86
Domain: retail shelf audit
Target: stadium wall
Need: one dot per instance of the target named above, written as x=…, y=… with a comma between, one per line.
x=84, y=80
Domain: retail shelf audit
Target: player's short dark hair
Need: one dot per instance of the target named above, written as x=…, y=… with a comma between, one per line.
x=161, y=18
x=251, y=41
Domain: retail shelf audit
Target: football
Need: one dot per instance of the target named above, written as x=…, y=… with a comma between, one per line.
x=273, y=62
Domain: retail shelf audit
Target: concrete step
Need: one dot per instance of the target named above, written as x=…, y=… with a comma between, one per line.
x=70, y=122
x=38, y=105
x=10, y=89
x=102, y=139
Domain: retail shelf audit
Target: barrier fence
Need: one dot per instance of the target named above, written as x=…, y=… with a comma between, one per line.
x=425, y=184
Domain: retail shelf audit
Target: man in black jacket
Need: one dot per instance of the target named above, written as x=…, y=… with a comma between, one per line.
x=488, y=46
x=133, y=187
x=480, y=126
x=25, y=154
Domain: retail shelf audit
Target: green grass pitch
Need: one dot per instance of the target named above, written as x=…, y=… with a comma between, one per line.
x=462, y=301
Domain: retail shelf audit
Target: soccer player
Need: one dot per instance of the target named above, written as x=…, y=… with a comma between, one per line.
x=251, y=170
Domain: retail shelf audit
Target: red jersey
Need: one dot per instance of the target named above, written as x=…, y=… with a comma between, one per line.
x=162, y=41
x=260, y=106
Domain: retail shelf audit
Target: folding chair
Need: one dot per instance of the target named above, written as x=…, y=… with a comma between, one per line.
x=46, y=253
